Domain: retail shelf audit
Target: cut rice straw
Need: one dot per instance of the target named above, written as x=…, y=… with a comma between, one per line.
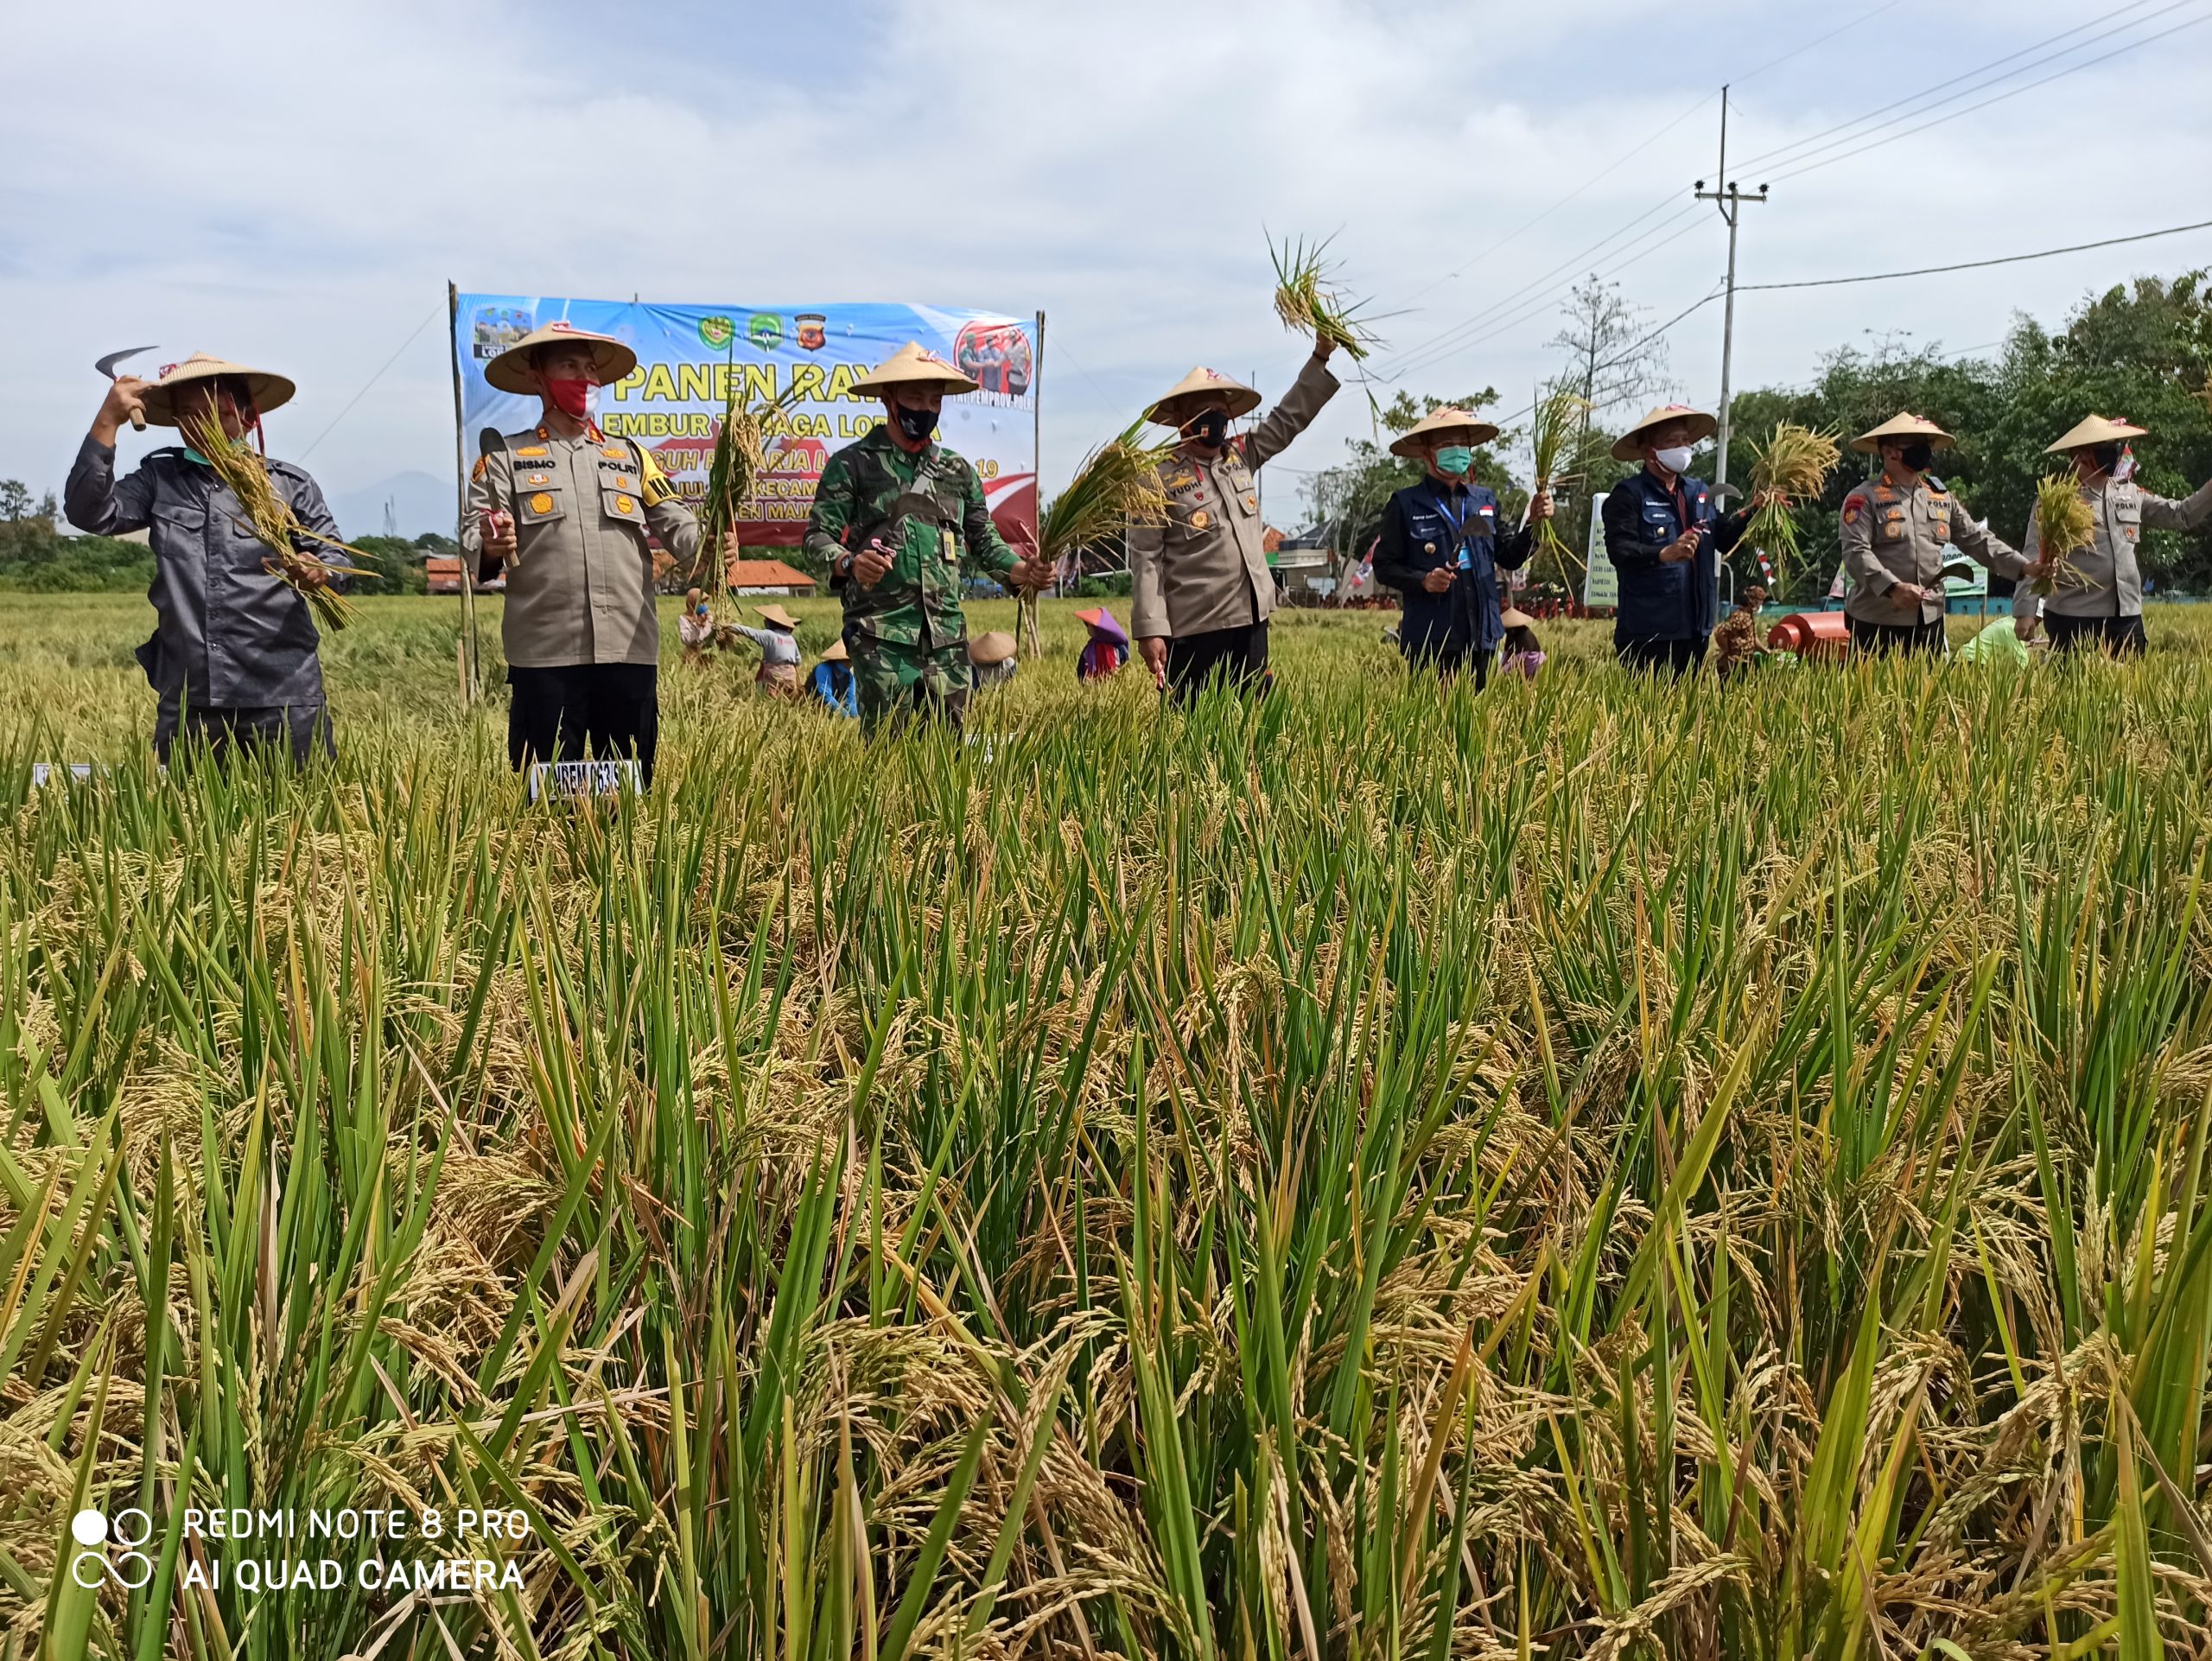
x=740, y=458
x=1562, y=421
x=1306, y=303
x=269, y=517
x=1793, y=468
x=1117, y=486
x=2064, y=526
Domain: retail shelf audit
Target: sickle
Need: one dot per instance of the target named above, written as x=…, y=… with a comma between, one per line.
x=106, y=367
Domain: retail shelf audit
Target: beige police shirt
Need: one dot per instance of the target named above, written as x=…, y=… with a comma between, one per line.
x=1893, y=534
x=1207, y=567
x=580, y=588
x=2106, y=580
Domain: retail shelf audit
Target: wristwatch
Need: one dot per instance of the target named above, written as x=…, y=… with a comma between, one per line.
x=844, y=567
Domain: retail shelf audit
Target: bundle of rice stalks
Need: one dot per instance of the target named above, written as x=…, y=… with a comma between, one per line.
x=740, y=456
x=1562, y=423
x=1117, y=485
x=2064, y=526
x=270, y=516
x=1305, y=304
x=1792, y=469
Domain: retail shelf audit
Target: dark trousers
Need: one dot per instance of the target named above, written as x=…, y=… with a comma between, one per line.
x=1238, y=656
x=1648, y=656
x=610, y=709
x=225, y=731
x=2121, y=636
x=1880, y=639
x=1448, y=658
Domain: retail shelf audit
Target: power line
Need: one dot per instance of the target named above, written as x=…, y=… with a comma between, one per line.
x=1688, y=220
x=372, y=380
x=1854, y=148
x=1524, y=304
x=1624, y=159
x=1975, y=264
x=1797, y=150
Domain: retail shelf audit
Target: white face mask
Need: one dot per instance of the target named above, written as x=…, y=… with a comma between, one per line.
x=1675, y=458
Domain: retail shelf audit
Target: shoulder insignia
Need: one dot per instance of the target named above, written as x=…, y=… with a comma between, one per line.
x=1488, y=507
x=533, y=449
x=1853, y=505
x=483, y=466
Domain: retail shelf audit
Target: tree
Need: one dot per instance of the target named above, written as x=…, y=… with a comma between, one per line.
x=388, y=565
x=15, y=500
x=1613, y=357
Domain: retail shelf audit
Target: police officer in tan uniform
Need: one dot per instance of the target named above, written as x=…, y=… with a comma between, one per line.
x=2097, y=594
x=1900, y=528
x=566, y=509
x=1200, y=589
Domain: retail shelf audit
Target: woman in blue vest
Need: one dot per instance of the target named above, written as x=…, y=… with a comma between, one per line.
x=1441, y=548
x=1666, y=537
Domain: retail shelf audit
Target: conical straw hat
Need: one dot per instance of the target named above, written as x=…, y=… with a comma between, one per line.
x=914, y=365
x=836, y=652
x=778, y=614
x=995, y=646
x=1514, y=617
x=2095, y=430
x=268, y=391
x=511, y=371
x=1702, y=426
x=1450, y=418
x=1902, y=424
x=1240, y=398
x=1102, y=620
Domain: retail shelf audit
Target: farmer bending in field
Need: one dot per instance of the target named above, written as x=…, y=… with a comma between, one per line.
x=892, y=517
x=1899, y=531
x=1441, y=548
x=1666, y=538
x=565, y=509
x=233, y=655
x=2096, y=597
x=1200, y=587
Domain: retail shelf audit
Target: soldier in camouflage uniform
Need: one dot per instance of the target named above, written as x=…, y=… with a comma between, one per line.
x=892, y=518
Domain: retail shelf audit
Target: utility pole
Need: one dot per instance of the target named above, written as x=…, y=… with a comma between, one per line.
x=1730, y=201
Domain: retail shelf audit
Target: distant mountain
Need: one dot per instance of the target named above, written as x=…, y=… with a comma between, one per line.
x=419, y=502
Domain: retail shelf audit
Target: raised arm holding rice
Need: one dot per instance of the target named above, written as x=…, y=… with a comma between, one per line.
x=234, y=658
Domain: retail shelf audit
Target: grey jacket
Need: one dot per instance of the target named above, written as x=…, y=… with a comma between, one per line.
x=1892, y=536
x=2107, y=583
x=580, y=588
x=1207, y=567
x=229, y=634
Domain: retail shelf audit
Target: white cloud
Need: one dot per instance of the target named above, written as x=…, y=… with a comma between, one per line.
x=293, y=185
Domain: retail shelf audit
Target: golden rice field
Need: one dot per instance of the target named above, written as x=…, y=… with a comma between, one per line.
x=1590, y=1169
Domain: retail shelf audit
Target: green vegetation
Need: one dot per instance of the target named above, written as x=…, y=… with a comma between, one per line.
x=1590, y=1168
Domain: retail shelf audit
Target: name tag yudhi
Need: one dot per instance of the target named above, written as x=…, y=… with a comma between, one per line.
x=571, y=780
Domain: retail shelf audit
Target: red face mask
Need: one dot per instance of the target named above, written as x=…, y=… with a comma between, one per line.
x=571, y=397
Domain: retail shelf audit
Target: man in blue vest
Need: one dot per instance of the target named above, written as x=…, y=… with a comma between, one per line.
x=1442, y=547
x=1666, y=537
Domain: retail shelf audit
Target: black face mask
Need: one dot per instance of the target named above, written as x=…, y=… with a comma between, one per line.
x=917, y=424
x=1917, y=454
x=2108, y=455
x=1210, y=428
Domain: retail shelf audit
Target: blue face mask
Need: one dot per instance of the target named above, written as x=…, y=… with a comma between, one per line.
x=1455, y=459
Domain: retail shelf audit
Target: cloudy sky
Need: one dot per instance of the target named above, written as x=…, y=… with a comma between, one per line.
x=292, y=185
